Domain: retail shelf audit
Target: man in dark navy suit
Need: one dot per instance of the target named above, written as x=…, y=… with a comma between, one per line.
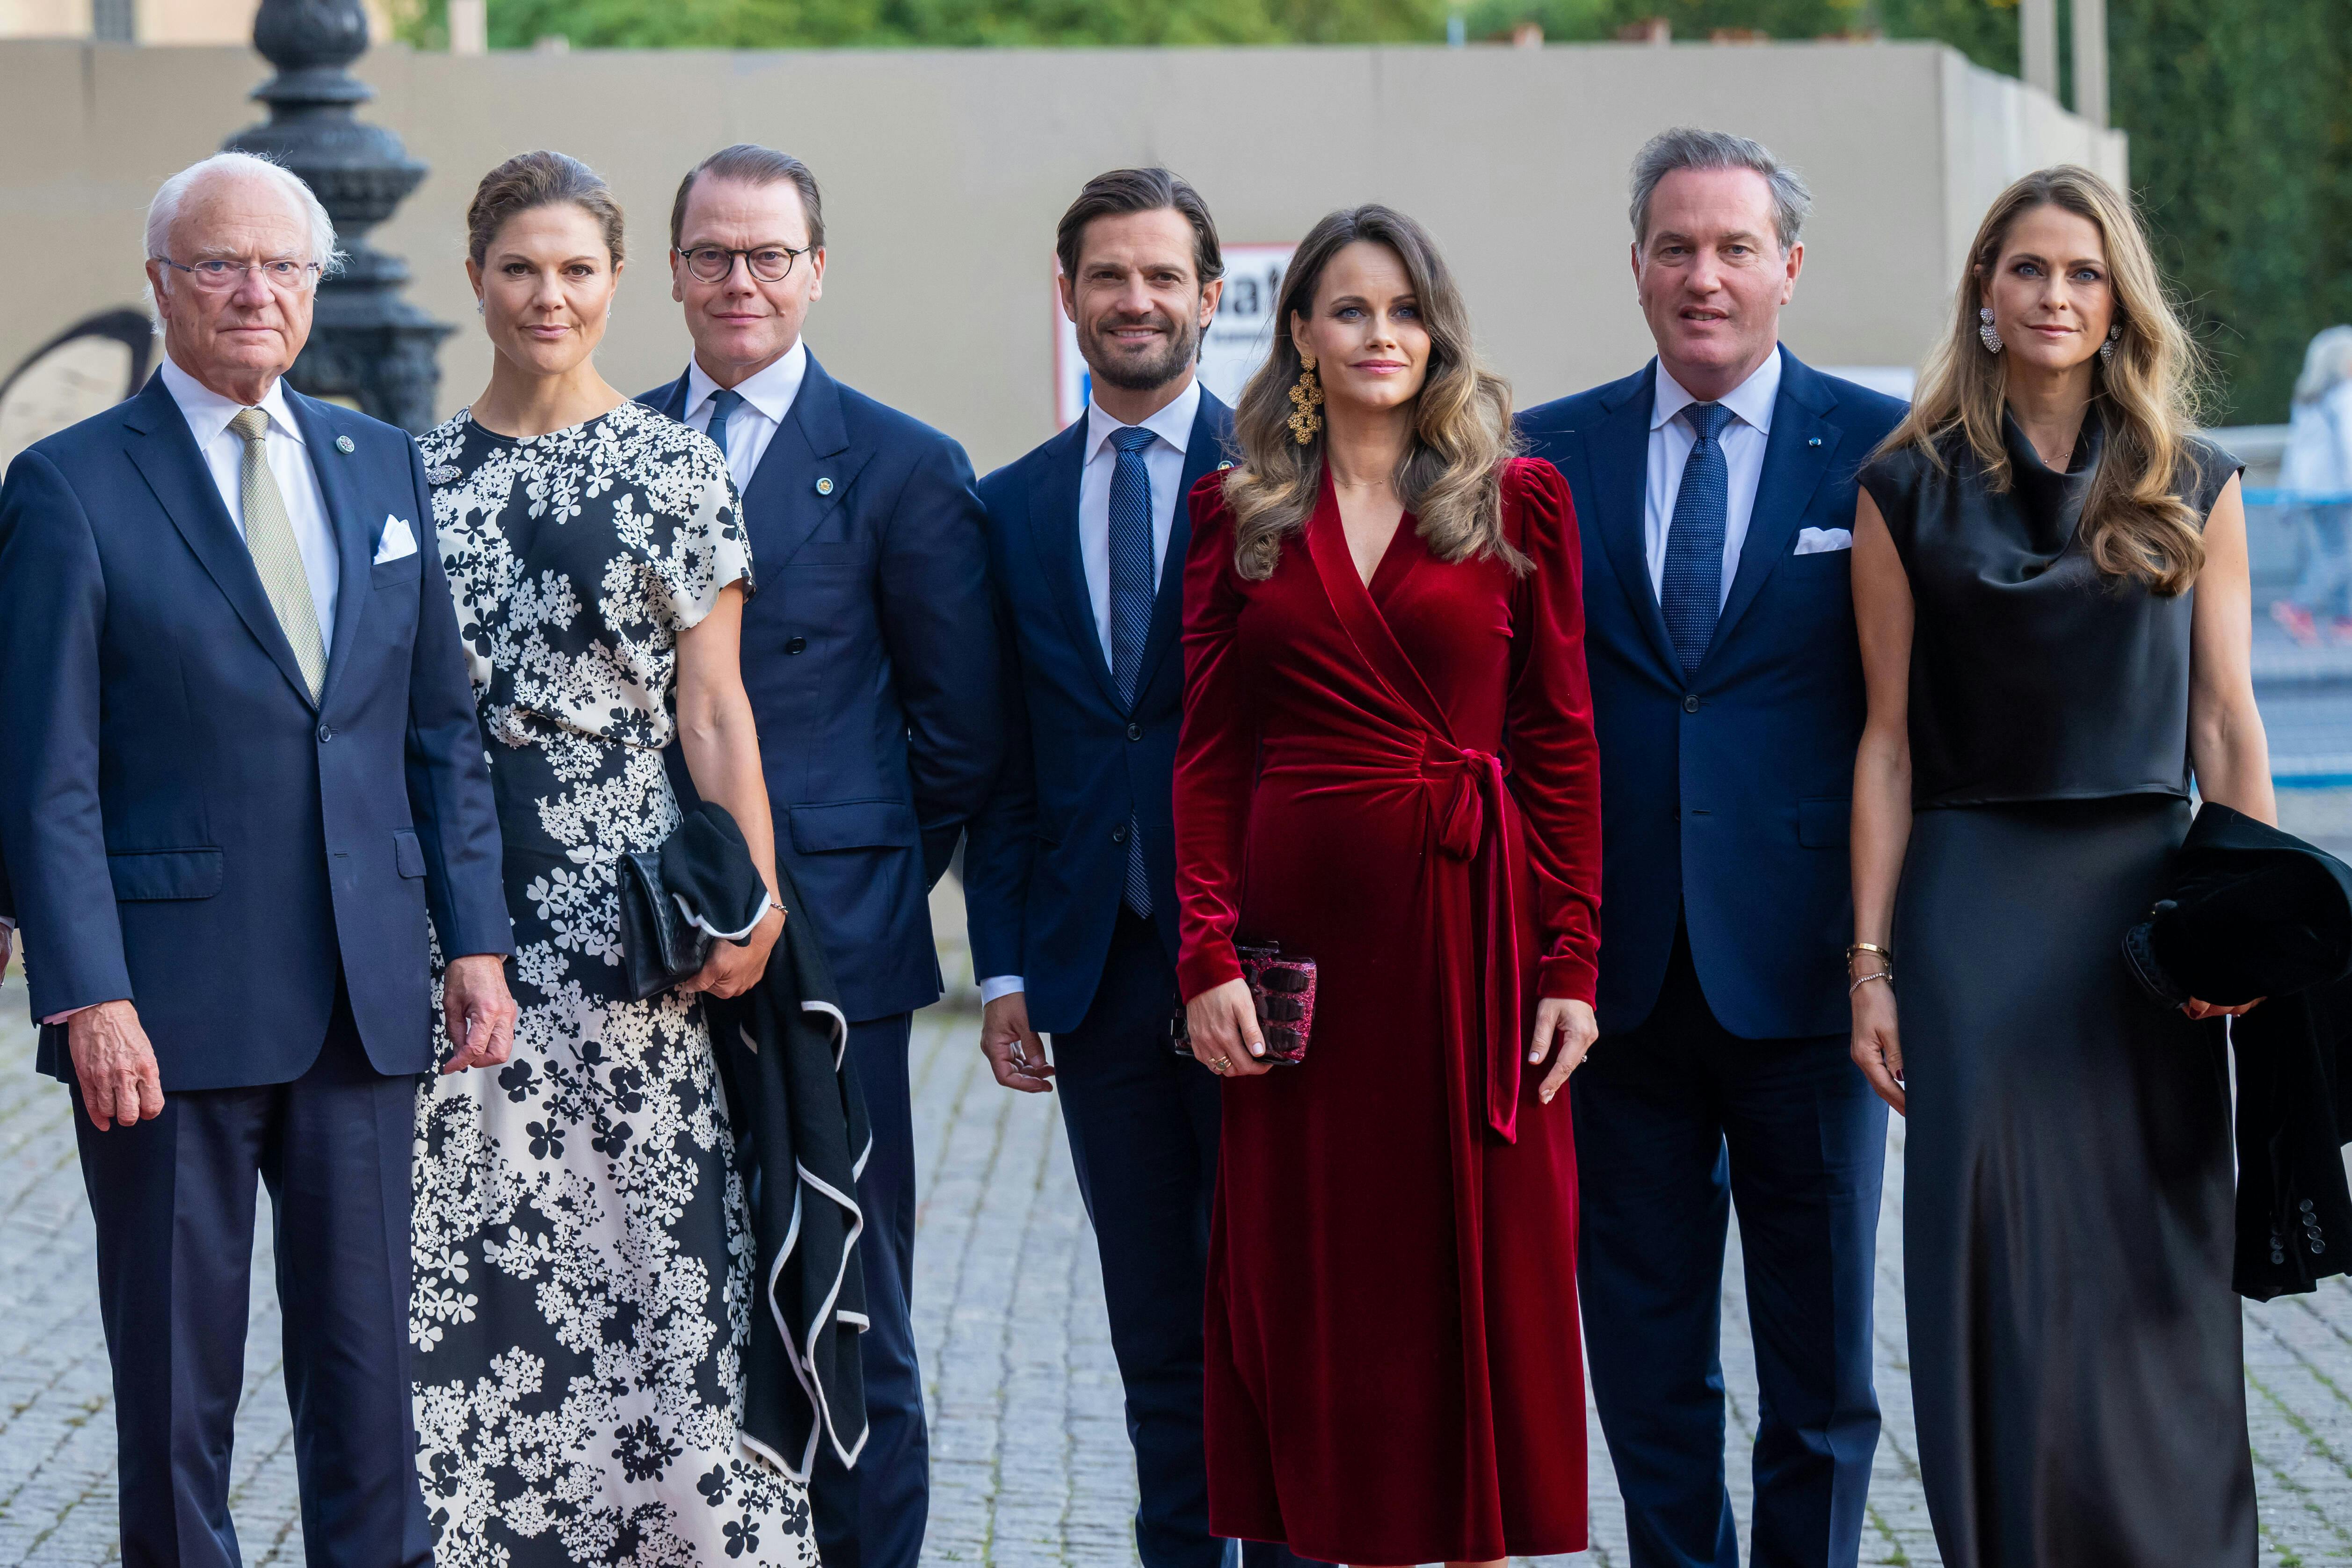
x=1715, y=490
x=1069, y=879
x=870, y=655
x=239, y=769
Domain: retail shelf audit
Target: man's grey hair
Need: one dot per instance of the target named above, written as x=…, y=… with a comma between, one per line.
x=164, y=210
x=1686, y=148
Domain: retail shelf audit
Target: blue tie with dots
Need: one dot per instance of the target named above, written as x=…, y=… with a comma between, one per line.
x=723, y=405
x=1130, y=605
x=1691, y=592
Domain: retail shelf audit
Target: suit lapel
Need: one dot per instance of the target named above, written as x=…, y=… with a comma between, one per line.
x=1795, y=460
x=1203, y=450
x=354, y=534
x=1053, y=532
x=1618, y=452
x=164, y=452
x=782, y=499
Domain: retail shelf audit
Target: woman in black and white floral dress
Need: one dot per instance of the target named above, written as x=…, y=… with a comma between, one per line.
x=582, y=1250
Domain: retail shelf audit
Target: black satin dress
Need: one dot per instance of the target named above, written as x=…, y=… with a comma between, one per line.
x=2076, y=1360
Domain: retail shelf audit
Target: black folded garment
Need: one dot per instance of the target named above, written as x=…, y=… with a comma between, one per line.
x=2253, y=911
x=700, y=887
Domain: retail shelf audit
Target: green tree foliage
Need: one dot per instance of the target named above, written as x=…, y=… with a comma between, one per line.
x=2239, y=112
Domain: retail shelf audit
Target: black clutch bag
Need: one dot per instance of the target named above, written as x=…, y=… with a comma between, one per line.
x=1282, y=986
x=698, y=887
x=658, y=947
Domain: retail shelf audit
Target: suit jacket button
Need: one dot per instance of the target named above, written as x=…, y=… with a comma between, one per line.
x=796, y=645
x=326, y=733
x=1135, y=731
x=1119, y=834
x=1690, y=702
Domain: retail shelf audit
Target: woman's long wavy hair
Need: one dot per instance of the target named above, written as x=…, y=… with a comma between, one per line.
x=2134, y=524
x=1450, y=479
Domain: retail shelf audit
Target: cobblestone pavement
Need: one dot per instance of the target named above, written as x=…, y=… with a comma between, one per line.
x=1031, y=1465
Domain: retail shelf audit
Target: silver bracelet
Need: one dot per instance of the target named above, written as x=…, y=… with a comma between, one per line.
x=1885, y=975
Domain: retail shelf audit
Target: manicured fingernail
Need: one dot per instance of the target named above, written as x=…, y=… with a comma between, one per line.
x=1534, y=1055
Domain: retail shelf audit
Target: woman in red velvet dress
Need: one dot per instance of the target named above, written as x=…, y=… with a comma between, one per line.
x=1388, y=766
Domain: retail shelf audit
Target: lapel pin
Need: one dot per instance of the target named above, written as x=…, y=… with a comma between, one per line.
x=1223, y=465
x=342, y=444
x=824, y=486
x=1813, y=440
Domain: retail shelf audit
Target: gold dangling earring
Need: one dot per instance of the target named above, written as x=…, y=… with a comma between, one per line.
x=1306, y=396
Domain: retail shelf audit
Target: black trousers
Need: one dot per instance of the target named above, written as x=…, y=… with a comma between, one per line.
x=1677, y=1121
x=1142, y=1124
x=174, y=1201
x=872, y=1516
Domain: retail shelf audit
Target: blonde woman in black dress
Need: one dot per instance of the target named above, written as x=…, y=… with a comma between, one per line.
x=2049, y=578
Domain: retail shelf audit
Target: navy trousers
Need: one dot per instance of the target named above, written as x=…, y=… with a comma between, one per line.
x=1674, y=1121
x=872, y=1516
x=175, y=1203
x=1143, y=1124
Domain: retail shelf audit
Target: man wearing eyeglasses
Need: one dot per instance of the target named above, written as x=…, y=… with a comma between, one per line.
x=870, y=655
x=239, y=767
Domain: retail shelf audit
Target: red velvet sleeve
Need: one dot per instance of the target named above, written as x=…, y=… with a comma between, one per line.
x=1548, y=731
x=1216, y=754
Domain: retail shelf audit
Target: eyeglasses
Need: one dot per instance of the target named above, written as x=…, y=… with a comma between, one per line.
x=218, y=275
x=769, y=263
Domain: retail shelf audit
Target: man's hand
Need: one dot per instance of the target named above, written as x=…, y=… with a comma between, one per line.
x=5, y=932
x=1571, y=1024
x=1015, y=1055
x=120, y=1084
x=478, y=1011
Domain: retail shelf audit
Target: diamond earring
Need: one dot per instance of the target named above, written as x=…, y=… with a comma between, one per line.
x=2107, y=349
x=1985, y=331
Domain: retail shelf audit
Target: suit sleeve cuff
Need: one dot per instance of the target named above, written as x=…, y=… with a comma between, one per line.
x=61, y=1017
x=997, y=986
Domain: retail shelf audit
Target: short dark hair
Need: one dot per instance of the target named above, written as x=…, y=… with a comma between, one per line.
x=1140, y=191
x=528, y=181
x=754, y=165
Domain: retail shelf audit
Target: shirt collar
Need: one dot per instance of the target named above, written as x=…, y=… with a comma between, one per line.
x=1750, y=402
x=1172, y=424
x=208, y=413
x=770, y=391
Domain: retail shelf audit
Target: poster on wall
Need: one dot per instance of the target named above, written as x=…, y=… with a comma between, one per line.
x=1233, y=347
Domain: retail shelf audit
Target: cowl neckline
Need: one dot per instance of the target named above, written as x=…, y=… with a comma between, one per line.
x=2049, y=501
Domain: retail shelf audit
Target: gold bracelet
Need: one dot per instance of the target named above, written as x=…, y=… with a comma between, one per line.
x=1869, y=947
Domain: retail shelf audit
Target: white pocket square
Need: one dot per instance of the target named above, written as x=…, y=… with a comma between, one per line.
x=399, y=540
x=1822, y=541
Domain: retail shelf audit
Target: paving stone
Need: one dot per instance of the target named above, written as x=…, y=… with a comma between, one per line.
x=1031, y=1467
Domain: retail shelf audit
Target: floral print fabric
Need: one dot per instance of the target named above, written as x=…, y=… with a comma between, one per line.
x=581, y=1244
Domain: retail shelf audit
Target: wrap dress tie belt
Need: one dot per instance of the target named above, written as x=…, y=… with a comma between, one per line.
x=1470, y=814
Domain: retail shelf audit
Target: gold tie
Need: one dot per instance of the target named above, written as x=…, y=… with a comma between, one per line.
x=269, y=535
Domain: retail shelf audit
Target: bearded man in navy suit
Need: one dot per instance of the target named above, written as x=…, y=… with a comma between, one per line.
x=239, y=769
x=1714, y=488
x=870, y=655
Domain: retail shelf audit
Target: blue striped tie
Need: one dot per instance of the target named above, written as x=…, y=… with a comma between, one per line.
x=1130, y=605
x=1691, y=592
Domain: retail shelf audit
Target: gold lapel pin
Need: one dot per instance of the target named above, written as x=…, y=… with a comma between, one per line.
x=824, y=486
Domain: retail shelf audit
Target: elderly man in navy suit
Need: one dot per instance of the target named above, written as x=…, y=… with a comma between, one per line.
x=1069, y=880
x=870, y=655
x=239, y=769
x=1715, y=492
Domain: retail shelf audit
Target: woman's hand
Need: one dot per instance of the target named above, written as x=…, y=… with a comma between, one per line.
x=730, y=970
x=1877, y=1046
x=1572, y=1025
x=2197, y=1009
x=1223, y=1022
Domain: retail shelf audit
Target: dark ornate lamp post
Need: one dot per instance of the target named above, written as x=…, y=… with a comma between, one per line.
x=367, y=343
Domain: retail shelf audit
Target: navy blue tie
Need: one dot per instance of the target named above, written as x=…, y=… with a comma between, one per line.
x=1691, y=592
x=723, y=405
x=1131, y=590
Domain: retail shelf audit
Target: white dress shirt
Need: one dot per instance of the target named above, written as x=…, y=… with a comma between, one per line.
x=1163, y=461
x=1744, y=437
x=208, y=414
x=767, y=398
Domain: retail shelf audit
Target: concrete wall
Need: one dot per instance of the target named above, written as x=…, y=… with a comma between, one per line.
x=944, y=171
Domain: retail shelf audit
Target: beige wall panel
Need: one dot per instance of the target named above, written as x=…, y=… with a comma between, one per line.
x=944, y=171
